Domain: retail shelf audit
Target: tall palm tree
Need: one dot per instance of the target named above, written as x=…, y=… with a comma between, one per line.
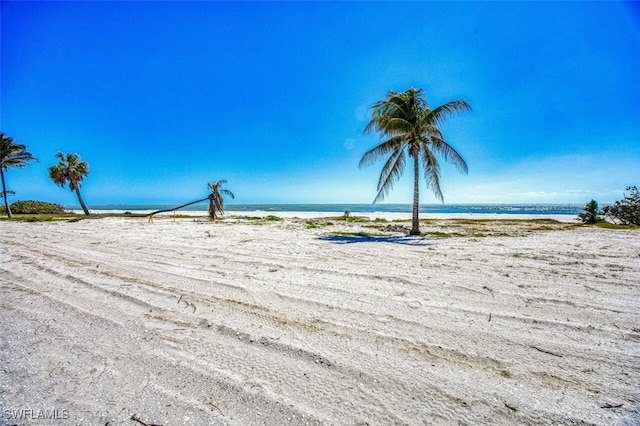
x=11, y=155
x=411, y=127
x=70, y=169
x=216, y=203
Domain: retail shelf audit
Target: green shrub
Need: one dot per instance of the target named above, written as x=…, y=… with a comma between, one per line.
x=626, y=211
x=273, y=218
x=591, y=214
x=34, y=207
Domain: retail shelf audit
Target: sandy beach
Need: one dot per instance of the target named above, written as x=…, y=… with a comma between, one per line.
x=301, y=321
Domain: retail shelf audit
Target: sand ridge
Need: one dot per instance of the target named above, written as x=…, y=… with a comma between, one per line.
x=276, y=322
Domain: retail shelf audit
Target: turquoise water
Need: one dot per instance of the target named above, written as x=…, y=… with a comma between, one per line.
x=532, y=209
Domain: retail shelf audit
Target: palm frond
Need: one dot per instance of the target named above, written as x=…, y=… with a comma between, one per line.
x=439, y=114
x=13, y=154
x=395, y=166
x=389, y=167
x=448, y=153
x=393, y=126
x=57, y=175
x=385, y=148
x=432, y=172
x=227, y=192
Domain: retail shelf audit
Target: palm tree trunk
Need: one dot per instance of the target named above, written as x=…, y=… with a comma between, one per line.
x=415, y=225
x=176, y=208
x=84, y=207
x=212, y=209
x=4, y=193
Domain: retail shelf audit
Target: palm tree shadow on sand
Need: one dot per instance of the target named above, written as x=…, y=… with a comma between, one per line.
x=366, y=238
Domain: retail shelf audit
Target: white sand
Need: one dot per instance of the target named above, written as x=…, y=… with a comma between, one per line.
x=187, y=322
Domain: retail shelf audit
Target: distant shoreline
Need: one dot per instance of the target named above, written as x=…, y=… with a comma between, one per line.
x=372, y=215
x=340, y=208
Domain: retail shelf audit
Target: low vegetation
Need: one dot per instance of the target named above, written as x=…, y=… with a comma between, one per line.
x=478, y=228
x=609, y=225
x=349, y=218
x=34, y=207
x=70, y=217
x=627, y=210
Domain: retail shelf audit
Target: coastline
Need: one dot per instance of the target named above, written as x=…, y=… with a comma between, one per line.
x=390, y=216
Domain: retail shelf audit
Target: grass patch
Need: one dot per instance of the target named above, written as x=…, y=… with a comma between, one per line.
x=41, y=217
x=247, y=217
x=350, y=219
x=313, y=224
x=506, y=221
x=441, y=234
x=269, y=218
x=357, y=219
x=482, y=234
x=609, y=225
x=168, y=216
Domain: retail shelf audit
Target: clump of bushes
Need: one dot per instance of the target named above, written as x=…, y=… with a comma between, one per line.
x=34, y=207
x=627, y=210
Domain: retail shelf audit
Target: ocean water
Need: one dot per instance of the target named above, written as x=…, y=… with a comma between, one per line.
x=531, y=209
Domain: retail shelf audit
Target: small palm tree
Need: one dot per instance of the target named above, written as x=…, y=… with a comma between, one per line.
x=11, y=155
x=70, y=169
x=411, y=127
x=216, y=203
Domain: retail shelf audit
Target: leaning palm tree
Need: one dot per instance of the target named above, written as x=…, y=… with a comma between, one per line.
x=411, y=127
x=11, y=155
x=70, y=169
x=216, y=203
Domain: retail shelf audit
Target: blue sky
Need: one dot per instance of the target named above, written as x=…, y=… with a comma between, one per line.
x=161, y=98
